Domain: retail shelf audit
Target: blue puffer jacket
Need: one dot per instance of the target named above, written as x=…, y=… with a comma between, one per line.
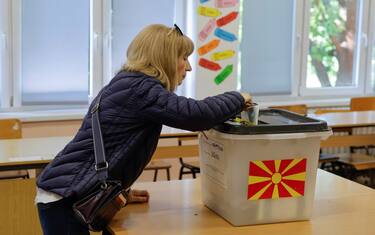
x=133, y=109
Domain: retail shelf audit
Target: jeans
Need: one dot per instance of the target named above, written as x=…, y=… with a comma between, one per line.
x=57, y=218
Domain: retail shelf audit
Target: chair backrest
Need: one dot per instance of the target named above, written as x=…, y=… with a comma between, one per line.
x=322, y=111
x=362, y=103
x=297, y=108
x=10, y=129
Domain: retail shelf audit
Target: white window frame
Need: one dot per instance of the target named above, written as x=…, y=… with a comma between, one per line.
x=370, y=46
x=11, y=77
x=5, y=53
x=360, y=50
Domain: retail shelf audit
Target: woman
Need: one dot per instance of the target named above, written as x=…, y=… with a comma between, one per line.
x=134, y=106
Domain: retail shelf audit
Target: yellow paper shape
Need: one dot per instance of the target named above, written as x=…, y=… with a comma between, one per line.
x=222, y=55
x=208, y=11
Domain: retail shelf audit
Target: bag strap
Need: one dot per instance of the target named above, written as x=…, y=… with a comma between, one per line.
x=101, y=165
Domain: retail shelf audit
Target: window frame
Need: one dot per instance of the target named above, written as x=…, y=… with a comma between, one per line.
x=100, y=55
x=359, y=58
x=5, y=53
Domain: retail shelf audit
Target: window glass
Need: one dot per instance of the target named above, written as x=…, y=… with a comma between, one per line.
x=129, y=17
x=55, y=52
x=331, y=44
x=266, y=46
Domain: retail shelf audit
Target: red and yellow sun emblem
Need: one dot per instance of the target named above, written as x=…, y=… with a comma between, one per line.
x=276, y=179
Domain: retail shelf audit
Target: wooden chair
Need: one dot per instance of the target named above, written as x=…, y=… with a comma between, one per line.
x=11, y=129
x=362, y=103
x=157, y=165
x=188, y=167
x=191, y=167
x=297, y=108
x=354, y=164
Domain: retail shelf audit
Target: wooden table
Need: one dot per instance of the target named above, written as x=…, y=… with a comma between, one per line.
x=30, y=153
x=347, y=119
x=33, y=153
x=340, y=207
x=345, y=122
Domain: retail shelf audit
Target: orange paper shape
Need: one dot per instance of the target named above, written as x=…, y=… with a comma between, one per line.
x=208, y=47
x=276, y=179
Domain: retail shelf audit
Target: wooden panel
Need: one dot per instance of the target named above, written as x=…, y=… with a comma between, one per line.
x=362, y=103
x=176, y=151
x=297, y=108
x=322, y=111
x=359, y=161
x=18, y=213
x=348, y=141
x=51, y=128
x=10, y=129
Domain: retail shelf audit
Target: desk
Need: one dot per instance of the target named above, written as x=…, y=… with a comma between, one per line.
x=33, y=153
x=347, y=119
x=30, y=153
x=340, y=207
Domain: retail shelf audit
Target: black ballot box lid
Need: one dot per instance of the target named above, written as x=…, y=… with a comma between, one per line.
x=274, y=121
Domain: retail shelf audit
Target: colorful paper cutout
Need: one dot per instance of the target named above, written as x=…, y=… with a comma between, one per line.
x=208, y=47
x=209, y=64
x=227, y=36
x=276, y=179
x=207, y=29
x=222, y=55
x=208, y=11
x=224, y=74
x=203, y=1
x=227, y=19
x=225, y=3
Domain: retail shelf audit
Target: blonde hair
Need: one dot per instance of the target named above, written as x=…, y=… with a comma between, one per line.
x=155, y=51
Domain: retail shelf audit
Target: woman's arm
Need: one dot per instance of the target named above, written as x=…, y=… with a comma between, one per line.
x=159, y=105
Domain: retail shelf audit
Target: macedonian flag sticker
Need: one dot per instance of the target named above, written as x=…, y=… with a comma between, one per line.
x=276, y=179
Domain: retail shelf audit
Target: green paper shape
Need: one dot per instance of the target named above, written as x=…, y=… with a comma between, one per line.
x=224, y=74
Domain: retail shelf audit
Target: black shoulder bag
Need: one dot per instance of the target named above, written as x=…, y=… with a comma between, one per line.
x=99, y=205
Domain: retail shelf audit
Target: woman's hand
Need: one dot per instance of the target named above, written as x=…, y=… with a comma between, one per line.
x=248, y=100
x=138, y=196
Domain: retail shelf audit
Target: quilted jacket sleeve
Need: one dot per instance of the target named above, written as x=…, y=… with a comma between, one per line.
x=159, y=105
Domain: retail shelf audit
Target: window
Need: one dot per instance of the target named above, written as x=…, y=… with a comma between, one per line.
x=266, y=47
x=332, y=39
x=54, y=52
x=129, y=17
x=57, y=53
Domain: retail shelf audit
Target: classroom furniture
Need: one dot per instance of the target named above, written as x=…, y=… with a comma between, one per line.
x=35, y=153
x=18, y=212
x=157, y=165
x=11, y=129
x=342, y=120
x=340, y=207
x=296, y=108
x=322, y=111
x=188, y=166
x=327, y=161
x=191, y=167
x=354, y=164
x=362, y=103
